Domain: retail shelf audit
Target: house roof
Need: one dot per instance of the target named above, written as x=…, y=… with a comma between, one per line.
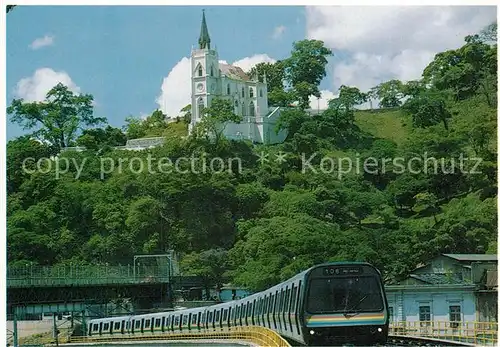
x=472, y=257
x=438, y=278
x=234, y=72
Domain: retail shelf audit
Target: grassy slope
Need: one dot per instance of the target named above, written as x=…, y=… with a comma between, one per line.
x=390, y=124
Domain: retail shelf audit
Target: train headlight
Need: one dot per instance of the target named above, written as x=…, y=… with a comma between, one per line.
x=379, y=330
x=311, y=332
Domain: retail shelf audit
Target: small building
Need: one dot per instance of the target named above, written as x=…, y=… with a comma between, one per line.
x=453, y=289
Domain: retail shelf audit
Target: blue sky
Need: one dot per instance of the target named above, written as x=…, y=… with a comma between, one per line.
x=120, y=54
x=133, y=59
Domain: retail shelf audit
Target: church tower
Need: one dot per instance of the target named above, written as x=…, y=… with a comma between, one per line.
x=204, y=75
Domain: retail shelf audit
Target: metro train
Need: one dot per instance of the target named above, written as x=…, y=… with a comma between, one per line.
x=328, y=304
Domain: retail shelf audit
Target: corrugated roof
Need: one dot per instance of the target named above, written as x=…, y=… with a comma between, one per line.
x=438, y=278
x=234, y=72
x=472, y=257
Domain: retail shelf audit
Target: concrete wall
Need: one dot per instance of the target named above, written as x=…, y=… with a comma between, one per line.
x=406, y=303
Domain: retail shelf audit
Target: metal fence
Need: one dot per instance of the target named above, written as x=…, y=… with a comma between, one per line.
x=21, y=276
x=481, y=333
x=258, y=335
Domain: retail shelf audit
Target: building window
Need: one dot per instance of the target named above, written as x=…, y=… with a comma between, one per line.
x=228, y=89
x=200, y=71
x=211, y=70
x=455, y=316
x=243, y=113
x=391, y=313
x=251, y=92
x=424, y=313
x=201, y=106
x=260, y=93
x=252, y=109
x=242, y=92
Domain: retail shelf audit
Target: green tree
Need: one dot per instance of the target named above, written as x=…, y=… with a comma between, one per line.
x=97, y=138
x=187, y=113
x=59, y=117
x=427, y=109
x=215, y=119
x=305, y=69
x=389, y=93
x=211, y=265
x=347, y=99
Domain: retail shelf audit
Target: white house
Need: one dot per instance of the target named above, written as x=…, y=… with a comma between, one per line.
x=211, y=79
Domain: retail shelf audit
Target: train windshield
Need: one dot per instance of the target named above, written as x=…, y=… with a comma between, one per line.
x=346, y=295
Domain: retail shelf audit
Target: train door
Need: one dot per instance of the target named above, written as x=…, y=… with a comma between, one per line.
x=289, y=305
x=279, y=308
x=285, y=308
x=163, y=324
x=168, y=323
x=297, y=306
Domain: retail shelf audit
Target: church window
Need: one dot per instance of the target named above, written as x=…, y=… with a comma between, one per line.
x=242, y=92
x=201, y=106
x=243, y=113
x=211, y=70
x=200, y=71
x=260, y=93
x=228, y=89
x=251, y=92
x=252, y=109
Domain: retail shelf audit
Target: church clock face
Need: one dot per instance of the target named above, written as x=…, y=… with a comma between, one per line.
x=200, y=87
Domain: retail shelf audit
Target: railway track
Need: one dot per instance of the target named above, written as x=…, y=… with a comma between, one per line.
x=399, y=340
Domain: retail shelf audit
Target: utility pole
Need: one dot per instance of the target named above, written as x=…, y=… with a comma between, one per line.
x=55, y=331
x=14, y=333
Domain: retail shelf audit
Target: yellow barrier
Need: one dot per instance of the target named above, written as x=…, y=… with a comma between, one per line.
x=484, y=333
x=258, y=335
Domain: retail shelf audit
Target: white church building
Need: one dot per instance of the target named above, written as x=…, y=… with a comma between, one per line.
x=211, y=79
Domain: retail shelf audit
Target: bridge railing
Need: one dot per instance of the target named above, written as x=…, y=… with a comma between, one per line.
x=258, y=335
x=30, y=275
x=482, y=333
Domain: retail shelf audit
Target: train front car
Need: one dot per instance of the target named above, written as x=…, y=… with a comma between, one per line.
x=345, y=303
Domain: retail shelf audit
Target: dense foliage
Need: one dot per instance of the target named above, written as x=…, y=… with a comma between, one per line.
x=256, y=220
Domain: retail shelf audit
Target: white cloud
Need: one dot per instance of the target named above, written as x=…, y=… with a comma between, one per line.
x=391, y=42
x=176, y=87
x=278, y=31
x=322, y=102
x=249, y=62
x=42, y=42
x=35, y=88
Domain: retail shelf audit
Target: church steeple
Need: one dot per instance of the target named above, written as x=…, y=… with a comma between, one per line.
x=204, y=39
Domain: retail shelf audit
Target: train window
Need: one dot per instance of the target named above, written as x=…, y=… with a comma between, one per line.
x=185, y=320
x=294, y=298
x=224, y=315
x=127, y=325
x=217, y=316
x=95, y=327
x=210, y=317
x=167, y=323
x=147, y=324
x=177, y=320
x=117, y=326
x=106, y=326
x=137, y=324
x=158, y=323
x=203, y=318
x=193, y=319
x=287, y=300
